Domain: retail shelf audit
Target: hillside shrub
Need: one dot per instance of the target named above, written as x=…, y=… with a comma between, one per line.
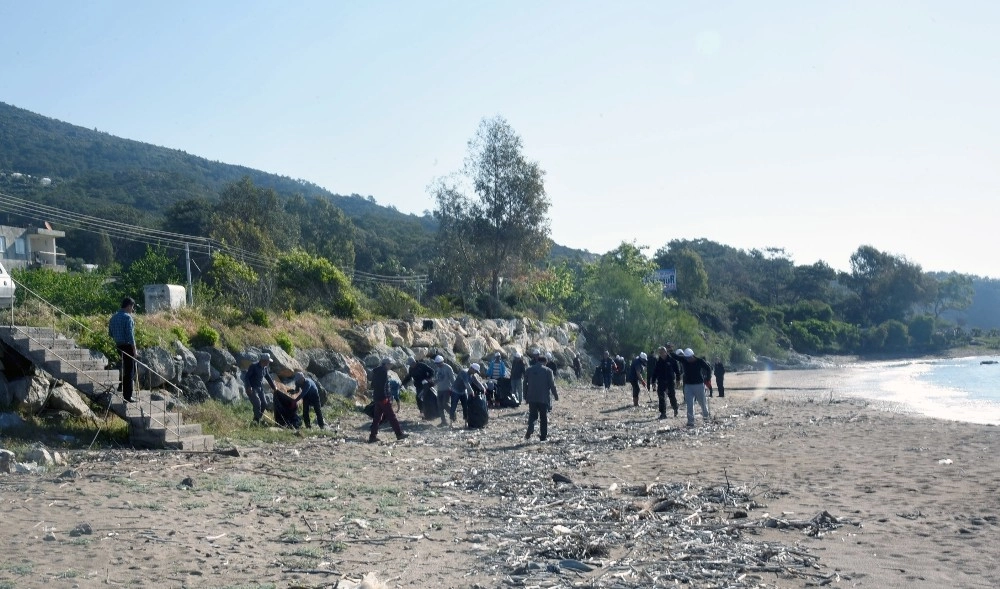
x=206, y=336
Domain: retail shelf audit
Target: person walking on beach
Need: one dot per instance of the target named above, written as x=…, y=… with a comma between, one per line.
x=444, y=377
x=607, y=370
x=383, y=402
x=517, y=377
x=635, y=372
x=694, y=385
x=254, y=379
x=417, y=373
x=663, y=375
x=121, y=328
x=539, y=390
x=720, y=373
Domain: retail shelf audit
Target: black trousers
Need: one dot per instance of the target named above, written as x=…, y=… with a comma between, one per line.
x=540, y=412
x=718, y=383
x=666, y=390
x=127, y=352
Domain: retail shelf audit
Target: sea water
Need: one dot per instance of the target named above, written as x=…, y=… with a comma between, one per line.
x=961, y=389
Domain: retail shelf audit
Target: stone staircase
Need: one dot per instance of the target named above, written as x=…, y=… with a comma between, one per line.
x=150, y=424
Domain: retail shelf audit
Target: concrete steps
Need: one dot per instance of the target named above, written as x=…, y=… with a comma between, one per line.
x=151, y=425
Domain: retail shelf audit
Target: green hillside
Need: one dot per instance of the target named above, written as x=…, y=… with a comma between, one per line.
x=113, y=178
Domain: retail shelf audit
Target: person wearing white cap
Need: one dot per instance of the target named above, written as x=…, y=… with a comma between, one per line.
x=444, y=377
x=254, y=379
x=694, y=384
x=635, y=372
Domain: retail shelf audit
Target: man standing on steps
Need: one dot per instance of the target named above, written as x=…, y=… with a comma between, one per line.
x=254, y=379
x=121, y=328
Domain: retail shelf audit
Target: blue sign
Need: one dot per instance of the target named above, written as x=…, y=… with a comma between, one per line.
x=668, y=278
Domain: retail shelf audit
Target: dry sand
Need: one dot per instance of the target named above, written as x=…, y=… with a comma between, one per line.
x=423, y=512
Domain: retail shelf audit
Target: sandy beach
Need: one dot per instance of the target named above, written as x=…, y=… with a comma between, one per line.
x=915, y=502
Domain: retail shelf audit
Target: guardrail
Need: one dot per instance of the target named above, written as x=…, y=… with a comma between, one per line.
x=145, y=406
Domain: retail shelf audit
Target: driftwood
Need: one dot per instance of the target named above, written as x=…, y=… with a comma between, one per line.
x=537, y=527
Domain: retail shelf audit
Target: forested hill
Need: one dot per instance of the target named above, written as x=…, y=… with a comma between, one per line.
x=82, y=162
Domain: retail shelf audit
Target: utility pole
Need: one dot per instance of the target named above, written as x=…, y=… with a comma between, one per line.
x=187, y=254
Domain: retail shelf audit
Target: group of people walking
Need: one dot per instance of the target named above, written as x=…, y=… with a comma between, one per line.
x=668, y=371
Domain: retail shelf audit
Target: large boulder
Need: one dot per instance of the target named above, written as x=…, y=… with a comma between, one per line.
x=203, y=365
x=356, y=370
x=227, y=389
x=66, y=398
x=30, y=392
x=340, y=384
x=158, y=366
x=193, y=389
x=221, y=360
x=282, y=365
x=188, y=359
x=322, y=362
x=7, y=461
x=40, y=455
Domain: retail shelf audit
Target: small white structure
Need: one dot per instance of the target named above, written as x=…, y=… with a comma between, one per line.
x=46, y=181
x=160, y=297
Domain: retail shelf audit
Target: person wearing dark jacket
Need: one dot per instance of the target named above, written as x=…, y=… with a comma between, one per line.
x=539, y=390
x=720, y=372
x=607, y=370
x=383, y=402
x=307, y=392
x=417, y=373
x=694, y=385
x=517, y=377
x=254, y=379
x=663, y=375
x=635, y=372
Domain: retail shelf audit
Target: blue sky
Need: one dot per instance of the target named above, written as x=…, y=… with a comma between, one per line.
x=812, y=126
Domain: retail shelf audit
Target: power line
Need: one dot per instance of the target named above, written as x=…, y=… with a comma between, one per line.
x=174, y=241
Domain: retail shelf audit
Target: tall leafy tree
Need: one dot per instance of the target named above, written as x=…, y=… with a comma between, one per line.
x=952, y=292
x=325, y=229
x=888, y=286
x=507, y=213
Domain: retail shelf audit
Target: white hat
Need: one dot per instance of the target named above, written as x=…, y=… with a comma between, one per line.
x=438, y=359
x=679, y=352
x=688, y=352
x=643, y=356
x=474, y=367
x=517, y=354
x=265, y=356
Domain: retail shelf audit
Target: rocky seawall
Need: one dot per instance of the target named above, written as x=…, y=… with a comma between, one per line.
x=182, y=375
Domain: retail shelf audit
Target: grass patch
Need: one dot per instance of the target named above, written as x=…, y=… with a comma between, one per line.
x=233, y=422
x=292, y=535
x=22, y=568
x=58, y=434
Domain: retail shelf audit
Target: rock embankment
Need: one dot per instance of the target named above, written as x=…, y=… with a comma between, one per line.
x=182, y=375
